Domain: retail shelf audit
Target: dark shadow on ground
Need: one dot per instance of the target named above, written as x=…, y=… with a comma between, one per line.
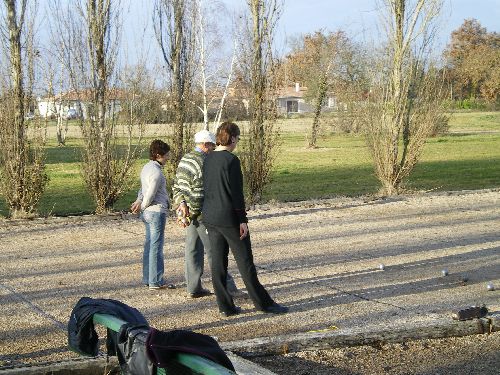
x=282, y=365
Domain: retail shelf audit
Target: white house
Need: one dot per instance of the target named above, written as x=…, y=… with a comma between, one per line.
x=76, y=102
x=291, y=100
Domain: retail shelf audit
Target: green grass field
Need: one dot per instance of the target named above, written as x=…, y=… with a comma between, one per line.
x=467, y=158
x=466, y=121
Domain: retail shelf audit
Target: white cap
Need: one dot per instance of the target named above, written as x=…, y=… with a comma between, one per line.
x=204, y=136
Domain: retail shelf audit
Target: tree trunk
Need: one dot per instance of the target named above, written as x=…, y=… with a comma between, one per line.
x=317, y=111
x=398, y=101
x=18, y=96
x=349, y=337
x=59, y=131
x=258, y=92
x=178, y=78
x=258, y=79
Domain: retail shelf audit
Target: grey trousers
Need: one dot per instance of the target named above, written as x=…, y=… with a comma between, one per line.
x=197, y=243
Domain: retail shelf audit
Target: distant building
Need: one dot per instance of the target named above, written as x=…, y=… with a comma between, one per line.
x=78, y=102
x=291, y=100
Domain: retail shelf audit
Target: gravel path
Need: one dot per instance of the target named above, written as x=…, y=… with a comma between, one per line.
x=320, y=258
x=464, y=355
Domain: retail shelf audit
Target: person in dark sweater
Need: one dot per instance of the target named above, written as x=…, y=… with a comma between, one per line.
x=226, y=221
x=188, y=198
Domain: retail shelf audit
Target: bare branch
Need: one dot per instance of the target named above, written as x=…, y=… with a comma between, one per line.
x=405, y=105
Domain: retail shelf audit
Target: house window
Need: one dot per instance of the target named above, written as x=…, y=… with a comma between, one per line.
x=292, y=106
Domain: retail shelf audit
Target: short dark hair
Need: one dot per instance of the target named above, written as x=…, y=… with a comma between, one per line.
x=158, y=147
x=225, y=132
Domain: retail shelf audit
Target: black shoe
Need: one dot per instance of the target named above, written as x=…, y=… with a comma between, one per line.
x=229, y=313
x=164, y=286
x=275, y=308
x=201, y=293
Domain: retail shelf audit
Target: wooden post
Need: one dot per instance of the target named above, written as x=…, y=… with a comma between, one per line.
x=356, y=337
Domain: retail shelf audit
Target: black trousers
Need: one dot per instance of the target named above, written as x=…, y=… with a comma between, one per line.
x=221, y=239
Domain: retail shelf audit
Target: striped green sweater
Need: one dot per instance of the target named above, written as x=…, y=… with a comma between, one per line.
x=188, y=182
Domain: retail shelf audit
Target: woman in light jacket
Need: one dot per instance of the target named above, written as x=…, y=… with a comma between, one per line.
x=153, y=202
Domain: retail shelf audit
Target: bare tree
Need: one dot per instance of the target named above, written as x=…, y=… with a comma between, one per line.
x=62, y=122
x=88, y=35
x=318, y=105
x=211, y=68
x=200, y=22
x=53, y=74
x=222, y=101
x=175, y=36
x=310, y=63
x=262, y=138
x=405, y=99
x=23, y=177
x=320, y=68
x=60, y=68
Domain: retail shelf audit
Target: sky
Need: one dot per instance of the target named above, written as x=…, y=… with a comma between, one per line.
x=357, y=17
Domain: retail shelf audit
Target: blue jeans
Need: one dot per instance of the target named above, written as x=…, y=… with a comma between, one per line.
x=152, y=259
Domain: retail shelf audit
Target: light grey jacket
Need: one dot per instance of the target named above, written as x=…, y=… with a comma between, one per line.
x=153, y=192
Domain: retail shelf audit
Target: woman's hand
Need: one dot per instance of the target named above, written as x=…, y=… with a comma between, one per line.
x=136, y=207
x=243, y=230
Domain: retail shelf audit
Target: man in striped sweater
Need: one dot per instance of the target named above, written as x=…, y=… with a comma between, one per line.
x=188, y=198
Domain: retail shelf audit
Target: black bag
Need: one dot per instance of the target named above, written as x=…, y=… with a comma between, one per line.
x=131, y=351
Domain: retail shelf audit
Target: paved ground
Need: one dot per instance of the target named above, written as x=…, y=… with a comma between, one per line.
x=319, y=258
